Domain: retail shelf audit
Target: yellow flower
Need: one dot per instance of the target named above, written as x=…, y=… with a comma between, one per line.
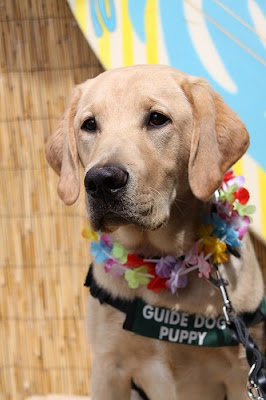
x=207, y=245
x=212, y=245
x=88, y=233
x=219, y=255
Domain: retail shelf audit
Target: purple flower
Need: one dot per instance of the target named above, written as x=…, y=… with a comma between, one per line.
x=177, y=280
x=165, y=265
x=224, y=209
x=235, y=180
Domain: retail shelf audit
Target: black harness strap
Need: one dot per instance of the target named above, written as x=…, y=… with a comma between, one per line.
x=126, y=306
x=104, y=297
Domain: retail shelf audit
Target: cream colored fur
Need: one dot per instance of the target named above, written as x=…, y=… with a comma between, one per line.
x=174, y=171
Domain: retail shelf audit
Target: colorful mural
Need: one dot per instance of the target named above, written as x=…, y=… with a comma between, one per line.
x=221, y=40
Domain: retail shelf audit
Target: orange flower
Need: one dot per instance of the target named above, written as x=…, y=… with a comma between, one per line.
x=205, y=231
x=207, y=245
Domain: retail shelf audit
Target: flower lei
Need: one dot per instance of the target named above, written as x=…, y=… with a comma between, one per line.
x=220, y=234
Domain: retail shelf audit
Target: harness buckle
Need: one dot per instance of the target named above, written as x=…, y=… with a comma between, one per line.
x=253, y=389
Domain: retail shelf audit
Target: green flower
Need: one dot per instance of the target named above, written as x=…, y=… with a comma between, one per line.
x=119, y=253
x=136, y=277
x=244, y=210
x=228, y=195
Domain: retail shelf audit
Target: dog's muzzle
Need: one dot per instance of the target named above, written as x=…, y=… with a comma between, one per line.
x=105, y=181
x=113, y=201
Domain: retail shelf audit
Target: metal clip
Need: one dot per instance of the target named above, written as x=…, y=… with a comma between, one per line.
x=253, y=389
x=227, y=307
x=226, y=312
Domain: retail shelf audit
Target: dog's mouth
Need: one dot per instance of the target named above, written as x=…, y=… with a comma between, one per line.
x=108, y=222
x=109, y=218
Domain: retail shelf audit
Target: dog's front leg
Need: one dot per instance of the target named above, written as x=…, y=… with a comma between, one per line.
x=109, y=381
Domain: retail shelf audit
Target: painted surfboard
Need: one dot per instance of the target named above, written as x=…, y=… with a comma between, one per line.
x=221, y=40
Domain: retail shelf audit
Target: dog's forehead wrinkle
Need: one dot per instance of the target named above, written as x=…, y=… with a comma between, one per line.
x=132, y=84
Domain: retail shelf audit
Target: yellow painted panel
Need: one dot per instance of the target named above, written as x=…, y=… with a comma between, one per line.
x=105, y=49
x=151, y=23
x=104, y=41
x=127, y=35
x=238, y=167
x=80, y=14
x=262, y=189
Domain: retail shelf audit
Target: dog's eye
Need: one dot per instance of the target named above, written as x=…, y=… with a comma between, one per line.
x=157, y=119
x=89, y=125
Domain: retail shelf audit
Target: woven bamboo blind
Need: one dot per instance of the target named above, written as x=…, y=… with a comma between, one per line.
x=43, y=259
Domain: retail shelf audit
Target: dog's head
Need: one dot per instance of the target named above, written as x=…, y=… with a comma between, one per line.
x=146, y=136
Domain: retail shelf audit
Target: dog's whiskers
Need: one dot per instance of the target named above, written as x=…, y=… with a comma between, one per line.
x=178, y=207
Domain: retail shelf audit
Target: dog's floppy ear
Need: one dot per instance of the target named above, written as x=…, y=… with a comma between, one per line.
x=219, y=138
x=62, y=154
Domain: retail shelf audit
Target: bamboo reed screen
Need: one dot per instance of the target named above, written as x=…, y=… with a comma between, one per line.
x=43, y=258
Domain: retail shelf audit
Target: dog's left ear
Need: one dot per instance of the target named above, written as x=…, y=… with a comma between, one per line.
x=62, y=154
x=219, y=138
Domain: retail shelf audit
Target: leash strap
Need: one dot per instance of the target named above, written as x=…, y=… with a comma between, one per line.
x=256, y=384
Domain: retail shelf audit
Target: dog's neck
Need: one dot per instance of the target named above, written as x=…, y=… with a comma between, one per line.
x=174, y=238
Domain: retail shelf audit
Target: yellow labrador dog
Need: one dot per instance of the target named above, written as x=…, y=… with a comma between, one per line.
x=155, y=143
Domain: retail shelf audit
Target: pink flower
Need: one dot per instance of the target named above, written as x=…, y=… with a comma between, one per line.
x=203, y=266
x=106, y=240
x=113, y=268
x=240, y=223
x=191, y=258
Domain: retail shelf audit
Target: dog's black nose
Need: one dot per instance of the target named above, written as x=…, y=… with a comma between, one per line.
x=105, y=180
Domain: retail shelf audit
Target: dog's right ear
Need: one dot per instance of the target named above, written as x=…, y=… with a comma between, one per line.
x=62, y=154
